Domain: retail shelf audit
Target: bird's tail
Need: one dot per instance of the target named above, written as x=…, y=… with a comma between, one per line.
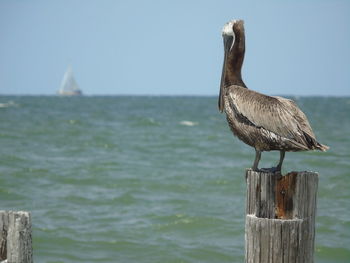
x=313, y=144
x=321, y=147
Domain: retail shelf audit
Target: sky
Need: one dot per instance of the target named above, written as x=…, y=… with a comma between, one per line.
x=163, y=47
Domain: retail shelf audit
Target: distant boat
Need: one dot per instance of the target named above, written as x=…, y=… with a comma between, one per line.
x=69, y=87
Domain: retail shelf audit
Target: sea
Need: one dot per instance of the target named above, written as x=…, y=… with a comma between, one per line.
x=154, y=178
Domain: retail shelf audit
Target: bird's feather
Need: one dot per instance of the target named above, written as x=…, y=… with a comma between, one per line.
x=275, y=114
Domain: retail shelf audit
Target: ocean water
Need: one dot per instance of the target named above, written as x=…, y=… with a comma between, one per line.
x=154, y=179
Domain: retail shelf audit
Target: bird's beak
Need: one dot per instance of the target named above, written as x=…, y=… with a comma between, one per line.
x=228, y=44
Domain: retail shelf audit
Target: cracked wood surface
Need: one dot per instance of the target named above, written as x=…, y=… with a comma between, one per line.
x=16, y=237
x=280, y=217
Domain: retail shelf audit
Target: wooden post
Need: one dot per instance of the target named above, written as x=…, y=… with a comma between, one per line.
x=15, y=237
x=280, y=217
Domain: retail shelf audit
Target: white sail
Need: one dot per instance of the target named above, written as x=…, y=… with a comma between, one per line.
x=69, y=86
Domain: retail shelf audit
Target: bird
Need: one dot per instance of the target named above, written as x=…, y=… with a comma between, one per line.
x=266, y=123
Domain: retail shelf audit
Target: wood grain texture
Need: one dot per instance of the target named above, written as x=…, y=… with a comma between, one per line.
x=16, y=237
x=280, y=217
x=4, y=222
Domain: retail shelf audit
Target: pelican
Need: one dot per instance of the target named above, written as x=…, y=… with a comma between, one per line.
x=267, y=123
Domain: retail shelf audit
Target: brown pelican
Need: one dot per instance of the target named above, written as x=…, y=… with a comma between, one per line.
x=264, y=122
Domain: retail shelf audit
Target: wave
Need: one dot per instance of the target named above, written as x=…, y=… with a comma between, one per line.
x=188, y=123
x=8, y=104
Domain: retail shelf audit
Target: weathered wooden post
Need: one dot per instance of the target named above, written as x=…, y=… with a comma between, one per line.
x=15, y=237
x=280, y=217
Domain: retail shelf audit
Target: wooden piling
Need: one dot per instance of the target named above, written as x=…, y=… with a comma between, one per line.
x=16, y=237
x=280, y=217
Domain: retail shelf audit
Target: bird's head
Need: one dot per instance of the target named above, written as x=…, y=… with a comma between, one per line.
x=234, y=46
x=231, y=31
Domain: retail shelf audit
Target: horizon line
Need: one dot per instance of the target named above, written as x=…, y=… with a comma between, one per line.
x=164, y=95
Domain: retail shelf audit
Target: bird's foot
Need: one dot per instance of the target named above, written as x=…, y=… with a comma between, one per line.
x=271, y=170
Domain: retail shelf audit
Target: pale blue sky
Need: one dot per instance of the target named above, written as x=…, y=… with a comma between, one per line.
x=173, y=47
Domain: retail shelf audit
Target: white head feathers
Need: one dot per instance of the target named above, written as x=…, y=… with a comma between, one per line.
x=228, y=28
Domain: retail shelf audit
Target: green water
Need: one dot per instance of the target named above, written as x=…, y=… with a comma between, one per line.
x=127, y=179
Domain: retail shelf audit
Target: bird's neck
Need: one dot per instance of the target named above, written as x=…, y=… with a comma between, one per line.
x=235, y=59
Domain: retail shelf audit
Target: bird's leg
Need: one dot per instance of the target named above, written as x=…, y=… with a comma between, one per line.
x=279, y=165
x=256, y=161
x=278, y=168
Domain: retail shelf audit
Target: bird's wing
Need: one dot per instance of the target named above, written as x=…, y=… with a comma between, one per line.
x=299, y=116
x=278, y=115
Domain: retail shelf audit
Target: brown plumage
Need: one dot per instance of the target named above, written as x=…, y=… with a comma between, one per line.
x=264, y=122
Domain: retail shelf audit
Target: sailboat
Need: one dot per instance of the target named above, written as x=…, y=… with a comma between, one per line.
x=69, y=87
